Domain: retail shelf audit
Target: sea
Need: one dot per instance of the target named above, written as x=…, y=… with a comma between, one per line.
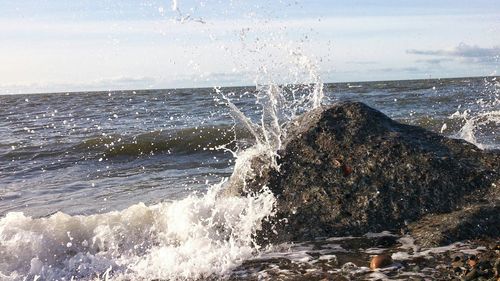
x=129, y=185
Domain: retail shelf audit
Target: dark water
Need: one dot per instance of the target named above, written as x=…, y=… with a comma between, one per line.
x=85, y=153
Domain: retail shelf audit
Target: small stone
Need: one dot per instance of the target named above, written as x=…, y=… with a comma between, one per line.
x=380, y=261
x=347, y=170
x=497, y=248
x=457, y=262
x=348, y=267
x=472, y=261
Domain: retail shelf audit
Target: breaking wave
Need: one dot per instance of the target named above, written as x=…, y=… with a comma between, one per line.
x=188, y=140
x=193, y=238
x=483, y=122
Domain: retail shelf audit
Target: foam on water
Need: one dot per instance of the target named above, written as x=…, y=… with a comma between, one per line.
x=485, y=118
x=474, y=123
x=192, y=238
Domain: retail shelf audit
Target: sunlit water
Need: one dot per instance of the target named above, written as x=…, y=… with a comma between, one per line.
x=128, y=184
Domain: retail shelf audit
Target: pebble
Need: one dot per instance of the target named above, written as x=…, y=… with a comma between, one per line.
x=347, y=170
x=472, y=261
x=380, y=261
x=457, y=263
x=348, y=267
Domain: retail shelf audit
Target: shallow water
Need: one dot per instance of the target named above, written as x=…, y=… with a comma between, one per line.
x=126, y=184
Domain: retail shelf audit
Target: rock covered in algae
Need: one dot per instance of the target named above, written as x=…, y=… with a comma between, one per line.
x=348, y=169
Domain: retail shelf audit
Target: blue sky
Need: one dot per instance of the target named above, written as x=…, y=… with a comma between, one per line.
x=56, y=45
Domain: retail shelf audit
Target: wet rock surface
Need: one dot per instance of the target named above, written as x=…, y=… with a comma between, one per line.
x=349, y=258
x=348, y=169
x=472, y=222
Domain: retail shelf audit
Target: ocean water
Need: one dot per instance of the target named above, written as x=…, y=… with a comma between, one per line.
x=129, y=185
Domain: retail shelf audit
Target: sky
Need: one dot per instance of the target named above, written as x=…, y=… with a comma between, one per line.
x=66, y=46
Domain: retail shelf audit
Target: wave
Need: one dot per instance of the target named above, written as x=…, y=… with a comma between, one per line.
x=197, y=237
x=475, y=127
x=188, y=140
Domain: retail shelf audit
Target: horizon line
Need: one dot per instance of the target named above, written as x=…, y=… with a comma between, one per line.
x=247, y=86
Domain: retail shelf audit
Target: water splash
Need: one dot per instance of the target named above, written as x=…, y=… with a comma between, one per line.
x=485, y=119
x=279, y=105
x=192, y=238
x=175, y=6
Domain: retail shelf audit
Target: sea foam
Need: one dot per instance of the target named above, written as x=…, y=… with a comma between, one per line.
x=192, y=238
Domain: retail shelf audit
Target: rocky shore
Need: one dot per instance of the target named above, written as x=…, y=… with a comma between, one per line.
x=351, y=258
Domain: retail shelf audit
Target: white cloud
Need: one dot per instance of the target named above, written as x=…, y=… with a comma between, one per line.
x=469, y=53
x=116, y=83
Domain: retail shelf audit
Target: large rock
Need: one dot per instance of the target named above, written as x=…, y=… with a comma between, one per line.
x=472, y=222
x=348, y=169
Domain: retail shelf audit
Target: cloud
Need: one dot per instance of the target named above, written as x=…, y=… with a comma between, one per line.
x=121, y=82
x=410, y=69
x=436, y=61
x=116, y=83
x=212, y=79
x=362, y=62
x=465, y=52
